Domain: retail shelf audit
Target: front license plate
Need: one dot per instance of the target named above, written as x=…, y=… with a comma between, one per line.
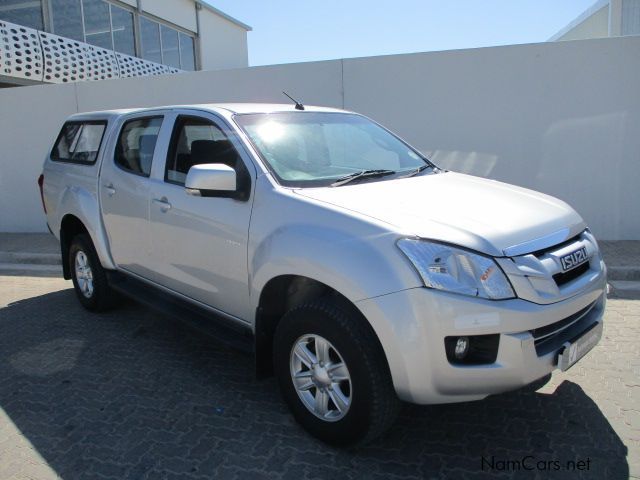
x=574, y=259
x=575, y=350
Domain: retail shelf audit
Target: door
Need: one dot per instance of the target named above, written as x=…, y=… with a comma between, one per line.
x=199, y=244
x=124, y=192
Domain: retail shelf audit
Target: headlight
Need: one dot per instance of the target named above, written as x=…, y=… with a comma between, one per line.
x=455, y=270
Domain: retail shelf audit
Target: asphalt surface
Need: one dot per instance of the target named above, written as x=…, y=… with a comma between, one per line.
x=133, y=395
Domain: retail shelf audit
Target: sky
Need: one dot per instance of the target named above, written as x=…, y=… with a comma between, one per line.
x=286, y=31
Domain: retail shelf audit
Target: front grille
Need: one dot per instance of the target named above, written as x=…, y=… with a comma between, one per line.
x=545, y=335
x=557, y=246
x=566, y=277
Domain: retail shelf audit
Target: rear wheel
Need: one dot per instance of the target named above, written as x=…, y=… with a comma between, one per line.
x=333, y=373
x=88, y=275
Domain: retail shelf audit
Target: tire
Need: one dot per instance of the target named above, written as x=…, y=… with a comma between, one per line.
x=88, y=276
x=368, y=401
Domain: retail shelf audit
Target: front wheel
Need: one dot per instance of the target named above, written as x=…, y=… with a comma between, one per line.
x=333, y=373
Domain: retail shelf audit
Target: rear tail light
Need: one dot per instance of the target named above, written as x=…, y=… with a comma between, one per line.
x=41, y=186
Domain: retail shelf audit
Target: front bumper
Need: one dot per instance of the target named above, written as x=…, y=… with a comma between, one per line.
x=412, y=325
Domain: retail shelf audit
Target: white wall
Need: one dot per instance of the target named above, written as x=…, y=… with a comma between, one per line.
x=563, y=118
x=223, y=44
x=30, y=118
x=594, y=26
x=132, y=3
x=180, y=12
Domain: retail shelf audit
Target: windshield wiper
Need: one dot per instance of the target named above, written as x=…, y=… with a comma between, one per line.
x=362, y=174
x=415, y=172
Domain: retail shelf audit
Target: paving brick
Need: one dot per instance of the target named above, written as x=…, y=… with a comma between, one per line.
x=133, y=395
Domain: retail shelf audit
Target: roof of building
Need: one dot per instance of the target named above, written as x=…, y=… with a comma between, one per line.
x=223, y=15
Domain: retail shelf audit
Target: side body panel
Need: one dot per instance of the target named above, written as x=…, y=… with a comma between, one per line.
x=198, y=245
x=72, y=189
x=293, y=235
x=124, y=200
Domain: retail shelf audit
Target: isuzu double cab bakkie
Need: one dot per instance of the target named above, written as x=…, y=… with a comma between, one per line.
x=357, y=271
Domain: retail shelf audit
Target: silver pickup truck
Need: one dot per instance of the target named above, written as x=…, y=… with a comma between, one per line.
x=357, y=271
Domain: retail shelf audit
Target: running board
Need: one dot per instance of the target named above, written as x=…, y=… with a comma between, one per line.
x=209, y=323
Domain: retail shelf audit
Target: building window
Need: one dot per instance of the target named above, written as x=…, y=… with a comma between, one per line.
x=150, y=40
x=124, y=40
x=25, y=13
x=97, y=23
x=67, y=19
x=163, y=44
x=630, y=17
x=187, y=53
x=106, y=25
x=170, y=46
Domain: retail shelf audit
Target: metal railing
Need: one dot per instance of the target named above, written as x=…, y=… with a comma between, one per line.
x=29, y=54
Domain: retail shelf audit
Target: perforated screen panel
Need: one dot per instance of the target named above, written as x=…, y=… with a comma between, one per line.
x=67, y=60
x=136, y=67
x=20, y=53
x=41, y=56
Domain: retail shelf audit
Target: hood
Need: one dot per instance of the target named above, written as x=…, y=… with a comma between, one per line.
x=477, y=213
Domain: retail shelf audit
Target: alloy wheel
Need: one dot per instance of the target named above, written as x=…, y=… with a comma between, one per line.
x=321, y=377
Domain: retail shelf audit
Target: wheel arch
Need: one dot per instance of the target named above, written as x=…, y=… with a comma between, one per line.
x=73, y=224
x=70, y=226
x=80, y=213
x=279, y=295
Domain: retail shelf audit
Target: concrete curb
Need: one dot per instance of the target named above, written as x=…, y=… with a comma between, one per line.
x=625, y=289
x=30, y=264
x=29, y=258
x=630, y=273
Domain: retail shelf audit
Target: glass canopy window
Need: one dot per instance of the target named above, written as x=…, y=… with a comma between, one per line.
x=26, y=13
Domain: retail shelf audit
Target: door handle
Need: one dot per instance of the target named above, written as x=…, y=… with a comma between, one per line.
x=110, y=190
x=163, y=203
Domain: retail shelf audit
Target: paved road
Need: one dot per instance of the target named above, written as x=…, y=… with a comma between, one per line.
x=130, y=394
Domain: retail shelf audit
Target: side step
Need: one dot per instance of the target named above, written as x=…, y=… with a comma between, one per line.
x=229, y=332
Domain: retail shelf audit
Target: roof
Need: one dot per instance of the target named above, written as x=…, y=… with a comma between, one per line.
x=228, y=107
x=265, y=107
x=213, y=9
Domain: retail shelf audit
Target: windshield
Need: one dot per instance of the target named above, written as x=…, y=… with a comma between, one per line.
x=310, y=149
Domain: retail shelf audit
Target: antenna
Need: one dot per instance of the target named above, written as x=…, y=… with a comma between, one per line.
x=299, y=106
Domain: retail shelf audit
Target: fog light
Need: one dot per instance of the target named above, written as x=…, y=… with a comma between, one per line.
x=472, y=349
x=462, y=347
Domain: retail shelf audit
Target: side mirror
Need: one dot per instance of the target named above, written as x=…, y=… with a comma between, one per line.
x=211, y=179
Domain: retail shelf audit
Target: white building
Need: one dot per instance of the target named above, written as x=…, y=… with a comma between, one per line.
x=605, y=18
x=56, y=41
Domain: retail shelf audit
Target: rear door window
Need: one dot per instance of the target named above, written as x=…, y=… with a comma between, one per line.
x=79, y=142
x=136, y=145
